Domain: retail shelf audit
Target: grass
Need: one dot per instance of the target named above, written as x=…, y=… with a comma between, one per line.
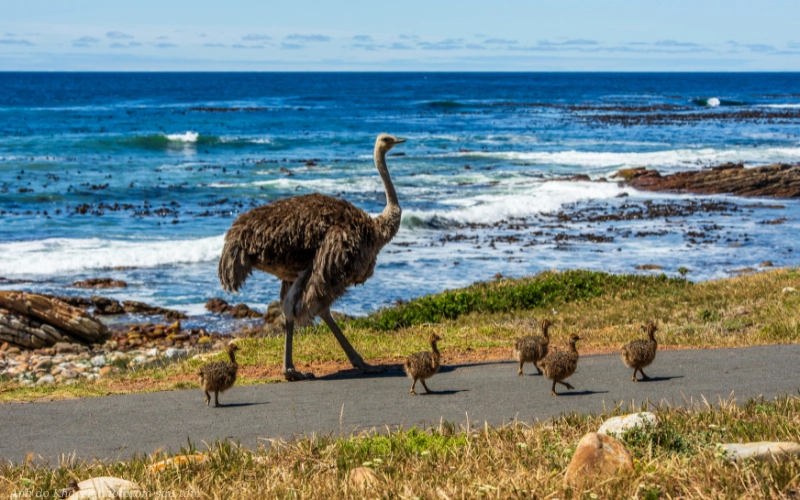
x=482, y=320
x=676, y=459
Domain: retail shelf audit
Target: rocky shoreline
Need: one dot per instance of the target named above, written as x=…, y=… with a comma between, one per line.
x=776, y=181
x=46, y=339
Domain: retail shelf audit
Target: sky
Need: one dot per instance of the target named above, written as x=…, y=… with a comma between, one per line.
x=399, y=35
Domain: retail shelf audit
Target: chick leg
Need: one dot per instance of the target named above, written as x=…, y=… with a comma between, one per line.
x=412, y=391
x=425, y=386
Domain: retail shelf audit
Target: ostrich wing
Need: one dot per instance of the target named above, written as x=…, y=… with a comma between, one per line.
x=346, y=257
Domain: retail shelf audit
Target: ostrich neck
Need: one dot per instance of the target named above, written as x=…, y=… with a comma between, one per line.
x=435, y=348
x=573, y=348
x=232, y=356
x=388, y=222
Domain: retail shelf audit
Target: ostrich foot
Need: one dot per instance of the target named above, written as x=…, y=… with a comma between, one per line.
x=293, y=375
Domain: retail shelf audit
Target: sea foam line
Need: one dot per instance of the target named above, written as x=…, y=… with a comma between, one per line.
x=64, y=255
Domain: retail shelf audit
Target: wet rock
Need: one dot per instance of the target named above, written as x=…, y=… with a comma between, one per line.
x=648, y=267
x=134, y=307
x=100, y=283
x=777, y=180
x=239, y=311
x=618, y=425
x=105, y=306
x=763, y=451
x=597, y=456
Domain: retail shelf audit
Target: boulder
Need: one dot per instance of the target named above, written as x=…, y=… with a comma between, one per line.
x=597, y=456
x=363, y=477
x=618, y=425
x=31, y=320
x=106, y=488
x=219, y=306
x=763, y=451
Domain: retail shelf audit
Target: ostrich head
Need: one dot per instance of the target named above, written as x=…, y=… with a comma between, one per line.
x=385, y=142
x=573, y=338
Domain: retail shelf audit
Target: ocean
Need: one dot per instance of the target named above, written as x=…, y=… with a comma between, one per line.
x=137, y=176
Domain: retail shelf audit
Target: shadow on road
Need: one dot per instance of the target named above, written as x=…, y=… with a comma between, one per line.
x=580, y=393
x=442, y=393
x=659, y=379
x=233, y=405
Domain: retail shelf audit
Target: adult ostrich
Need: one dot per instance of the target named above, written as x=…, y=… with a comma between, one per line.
x=317, y=246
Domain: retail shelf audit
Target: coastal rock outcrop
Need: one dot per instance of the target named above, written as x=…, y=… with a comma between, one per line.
x=33, y=321
x=778, y=180
x=239, y=311
x=100, y=283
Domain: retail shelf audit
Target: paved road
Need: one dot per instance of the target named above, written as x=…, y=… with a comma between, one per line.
x=119, y=426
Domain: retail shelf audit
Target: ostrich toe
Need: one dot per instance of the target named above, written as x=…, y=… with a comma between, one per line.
x=293, y=375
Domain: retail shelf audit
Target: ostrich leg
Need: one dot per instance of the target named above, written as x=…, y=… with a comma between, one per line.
x=355, y=359
x=289, y=373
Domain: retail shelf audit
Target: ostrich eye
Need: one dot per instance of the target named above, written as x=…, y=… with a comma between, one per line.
x=385, y=139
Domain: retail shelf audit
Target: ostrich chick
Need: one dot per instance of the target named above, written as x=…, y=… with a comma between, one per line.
x=558, y=366
x=533, y=348
x=219, y=376
x=640, y=353
x=424, y=365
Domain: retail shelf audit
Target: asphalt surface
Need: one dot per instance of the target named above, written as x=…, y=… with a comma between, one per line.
x=119, y=426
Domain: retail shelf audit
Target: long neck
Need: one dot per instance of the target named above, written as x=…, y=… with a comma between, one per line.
x=652, y=334
x=232, y=355
x=435, y=348
x=545, y=333
x=573, y=348
x=388, y=222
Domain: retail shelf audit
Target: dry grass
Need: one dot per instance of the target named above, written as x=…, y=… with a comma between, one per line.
x=678, y=459
x=734, y=312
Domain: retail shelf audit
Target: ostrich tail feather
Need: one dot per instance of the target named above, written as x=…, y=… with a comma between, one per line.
x=234, y=267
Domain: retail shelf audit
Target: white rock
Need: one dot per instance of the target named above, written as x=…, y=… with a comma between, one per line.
x=762, y=451
x=46, y=379
x=174, y=354
x=106, y=487
x=99, y=361
x=789, y=289
x=152, y=352
x=138, y=360
x=618, y=425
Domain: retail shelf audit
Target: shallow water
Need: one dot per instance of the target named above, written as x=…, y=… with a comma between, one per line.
x=137, y=176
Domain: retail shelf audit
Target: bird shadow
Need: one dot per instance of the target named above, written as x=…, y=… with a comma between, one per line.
x=443, y=393
x=388, y=371
x=454, y=367
x=580, y=393
x=658, y=379
x=234, y=405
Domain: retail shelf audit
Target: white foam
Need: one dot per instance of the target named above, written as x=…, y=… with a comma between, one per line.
x=64, y=255
x=781, y=106
x=185, y=137
x=712, y=102
x=539, y=198
x=672, y=158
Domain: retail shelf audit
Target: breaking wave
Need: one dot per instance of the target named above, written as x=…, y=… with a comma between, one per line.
x=63, y=255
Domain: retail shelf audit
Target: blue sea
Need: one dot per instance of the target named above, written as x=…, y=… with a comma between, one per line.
x=137, y=176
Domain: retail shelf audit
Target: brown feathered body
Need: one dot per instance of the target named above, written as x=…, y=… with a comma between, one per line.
x=533, y=348
x=326, y=243
x=640, y=353
x=560, y=365
x=219, y=376
x=424, y=365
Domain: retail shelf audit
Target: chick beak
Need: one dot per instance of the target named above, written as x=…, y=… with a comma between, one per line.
x=399, y=141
